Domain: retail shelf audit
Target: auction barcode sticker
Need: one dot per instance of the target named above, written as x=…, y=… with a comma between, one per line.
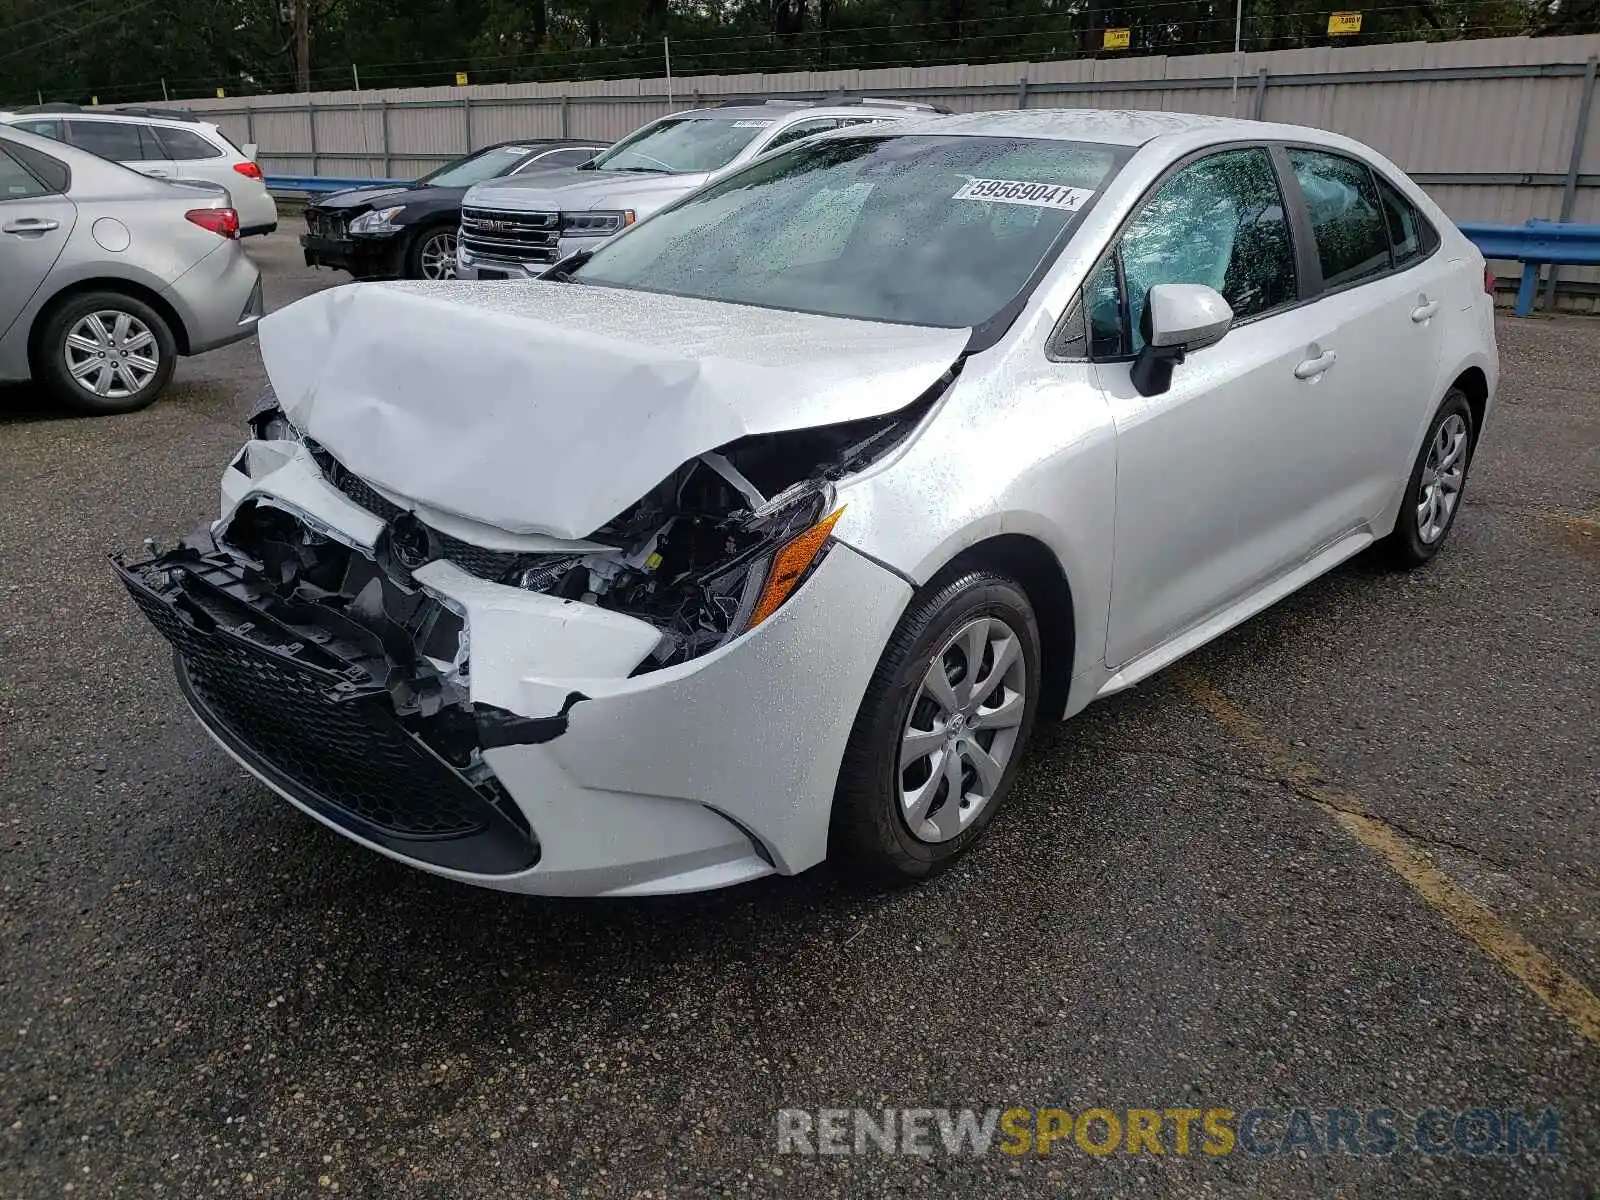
x=1016, y=191
x=751, y=124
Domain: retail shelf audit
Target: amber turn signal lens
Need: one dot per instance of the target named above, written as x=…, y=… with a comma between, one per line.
x=790, y=563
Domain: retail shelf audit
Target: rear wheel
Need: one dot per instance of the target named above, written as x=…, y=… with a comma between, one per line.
x=1434, y=489
x=433, y=254
x=104, y=352
x=941, y=729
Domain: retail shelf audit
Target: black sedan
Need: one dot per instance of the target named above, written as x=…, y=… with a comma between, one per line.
x=408, y=231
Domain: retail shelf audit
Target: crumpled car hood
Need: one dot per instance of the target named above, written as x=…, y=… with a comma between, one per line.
x=551, y=407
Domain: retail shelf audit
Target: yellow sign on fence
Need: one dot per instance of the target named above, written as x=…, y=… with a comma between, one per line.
x=461, y=79
x=222, y=93
x=1343, y=23
x=1116, y=39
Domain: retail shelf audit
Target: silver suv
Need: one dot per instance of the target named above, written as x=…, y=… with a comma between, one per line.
x=106, y=275
x=516, y=228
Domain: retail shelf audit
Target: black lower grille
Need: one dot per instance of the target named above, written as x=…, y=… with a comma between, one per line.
x=324, y=224
x=327, y=736
x=495, y=565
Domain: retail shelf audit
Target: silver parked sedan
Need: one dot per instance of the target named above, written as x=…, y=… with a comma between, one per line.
x=769, y=530
x=106, y=275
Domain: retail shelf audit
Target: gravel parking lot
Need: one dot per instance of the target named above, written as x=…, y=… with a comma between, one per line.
x=1346, y=857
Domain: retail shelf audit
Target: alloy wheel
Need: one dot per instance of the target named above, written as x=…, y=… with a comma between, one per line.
x=1442, y=477
x=962, y=729
x=438, y=255
x=112, y=354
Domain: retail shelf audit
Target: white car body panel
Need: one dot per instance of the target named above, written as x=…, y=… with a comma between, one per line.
x=530, y=416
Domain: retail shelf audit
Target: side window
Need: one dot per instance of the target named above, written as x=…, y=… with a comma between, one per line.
x=181, y=145
x=1220, y=222
x=49, y=129
x=116, y=140
x=802, y=130
x=57, y=178
x=1352, y=240
x=1102, y=299
x=16, y=183
x=1411, y=238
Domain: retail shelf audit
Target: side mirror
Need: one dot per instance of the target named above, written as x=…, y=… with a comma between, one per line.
x=1178, y=318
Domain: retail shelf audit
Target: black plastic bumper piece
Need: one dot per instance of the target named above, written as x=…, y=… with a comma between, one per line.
x=321, y=731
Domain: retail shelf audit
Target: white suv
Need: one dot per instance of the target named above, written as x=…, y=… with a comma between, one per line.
x=166, y=143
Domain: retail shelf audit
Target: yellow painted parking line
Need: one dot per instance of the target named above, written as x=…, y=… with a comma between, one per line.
x=1556, y=988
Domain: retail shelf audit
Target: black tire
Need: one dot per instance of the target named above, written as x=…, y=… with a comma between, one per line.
x=870, y=836
x=1405, y=548
x=50, y=349
x=420, y=244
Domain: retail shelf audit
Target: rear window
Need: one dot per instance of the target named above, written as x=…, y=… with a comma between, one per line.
x=915, y=229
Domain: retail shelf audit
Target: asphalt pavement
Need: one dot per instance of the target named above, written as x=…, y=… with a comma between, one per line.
x=1344, y=858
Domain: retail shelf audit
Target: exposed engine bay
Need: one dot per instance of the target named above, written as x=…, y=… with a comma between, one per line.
x=707, y=554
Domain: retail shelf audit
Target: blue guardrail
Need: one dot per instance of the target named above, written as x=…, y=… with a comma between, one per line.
x=318, y=184
x=1533, y=245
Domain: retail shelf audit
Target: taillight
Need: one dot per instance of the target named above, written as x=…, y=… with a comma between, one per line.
x=248, y=169
x=1488, y=279
x=221, y=221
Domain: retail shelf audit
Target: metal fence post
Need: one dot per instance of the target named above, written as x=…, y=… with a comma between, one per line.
x=466, y=119
x=1022, y=92
x=383, y=126
x=311, y=124
x=564, y=132
x=1261, y=94
x=1569, y=191
x=250, y=125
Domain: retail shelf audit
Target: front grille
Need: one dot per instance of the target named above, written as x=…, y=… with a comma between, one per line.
x=519, y=237
x=493, y=565
x=320, y=223
x=327, y=736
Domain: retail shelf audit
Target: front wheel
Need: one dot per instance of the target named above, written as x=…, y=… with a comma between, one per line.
x=433, y=254
x=1434, y=488
x=940, y=731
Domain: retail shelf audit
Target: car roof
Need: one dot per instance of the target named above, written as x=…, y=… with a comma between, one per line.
x=1113, y=127
x=106, y=114
x=543, y=143
x=783, y=110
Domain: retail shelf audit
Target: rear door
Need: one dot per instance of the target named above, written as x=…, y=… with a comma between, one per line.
x=1383, y=289
x=36, y=219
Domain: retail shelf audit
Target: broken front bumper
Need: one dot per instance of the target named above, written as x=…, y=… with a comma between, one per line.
x=571, y=775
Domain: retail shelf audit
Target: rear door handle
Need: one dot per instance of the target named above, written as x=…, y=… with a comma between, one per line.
x=1425, y=308
x=23, y=226
x=1310, y=368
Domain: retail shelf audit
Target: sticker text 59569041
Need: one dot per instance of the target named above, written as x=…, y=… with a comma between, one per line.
x=1015, y=191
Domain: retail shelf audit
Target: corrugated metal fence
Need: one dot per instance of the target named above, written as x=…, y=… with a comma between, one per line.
x=1494, y=129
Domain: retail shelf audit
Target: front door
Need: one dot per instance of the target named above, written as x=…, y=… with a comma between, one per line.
x=1217, y=479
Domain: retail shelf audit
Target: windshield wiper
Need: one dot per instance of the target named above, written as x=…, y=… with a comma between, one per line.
x=644, y=170
x=563, y=270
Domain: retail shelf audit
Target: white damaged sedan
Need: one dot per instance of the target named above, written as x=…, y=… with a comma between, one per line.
x=769, y=530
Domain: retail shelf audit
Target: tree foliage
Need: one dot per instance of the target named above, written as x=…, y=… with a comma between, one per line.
x=120, y=50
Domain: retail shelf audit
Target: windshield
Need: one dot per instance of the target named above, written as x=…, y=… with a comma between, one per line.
x=683, y=145
x=913, y=229
x=475, y=168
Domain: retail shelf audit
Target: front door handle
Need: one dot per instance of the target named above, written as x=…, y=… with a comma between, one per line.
x=23, y=226
x=1425, y=308
x=1315, y=365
